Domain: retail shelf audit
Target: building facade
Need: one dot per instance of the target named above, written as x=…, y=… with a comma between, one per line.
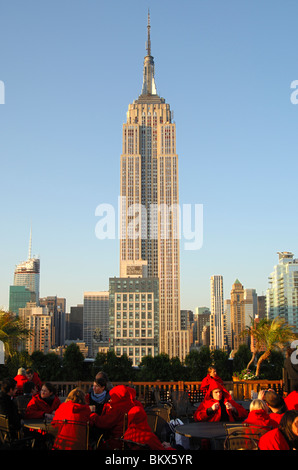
x=19, y=296
x=57, y=308
x=241, y=310
x=75, y=323
x=95, y=321
x=149, y=213
x=237, y=314
x=40, y=322
x=282, y=295
x=217, y=317
x=134, y=317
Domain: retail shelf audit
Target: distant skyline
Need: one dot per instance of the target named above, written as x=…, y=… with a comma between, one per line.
x=69, y=71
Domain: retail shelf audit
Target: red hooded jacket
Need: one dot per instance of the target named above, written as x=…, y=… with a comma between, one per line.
x=292, y=401
x=138, y=429
x=37, y=407
x=201, y=412
x=71, y=436
x=276, y=417
x=260, y=418
x=208, y=380
x=112, y=416
x=273, y=440
x=37, y=381
x=20, y=380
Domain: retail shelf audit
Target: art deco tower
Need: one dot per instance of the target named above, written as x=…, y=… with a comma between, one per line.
x=149, y=214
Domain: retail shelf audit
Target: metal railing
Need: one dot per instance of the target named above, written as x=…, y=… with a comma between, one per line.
x=146, y=391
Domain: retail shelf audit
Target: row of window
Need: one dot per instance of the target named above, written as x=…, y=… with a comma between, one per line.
x=134, y=333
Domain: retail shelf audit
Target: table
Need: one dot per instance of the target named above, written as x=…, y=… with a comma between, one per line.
x=40, y=425
x=42, y=431
x=213, y=434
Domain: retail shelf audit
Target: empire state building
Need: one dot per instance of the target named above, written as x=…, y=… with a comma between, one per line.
x=149, y=212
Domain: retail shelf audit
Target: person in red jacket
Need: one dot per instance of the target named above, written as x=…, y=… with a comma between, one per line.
x=211, y=375
x=259, y=415
x=291, y=400
x=43, y=404
x=20, y=379
x=138, y=430
x=285, y=437
x=275, y=402
x=218, y=405
x=111, y=419
x=72, y=435
x=34, y=377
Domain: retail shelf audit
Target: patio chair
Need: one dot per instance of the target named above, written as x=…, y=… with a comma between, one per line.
x=158, y=417
x=243, y=436
x=112, y=443
x=12, y=439
x=72, y=435
x=181, y=405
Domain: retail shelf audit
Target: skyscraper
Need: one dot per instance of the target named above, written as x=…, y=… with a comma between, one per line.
x=26, y=274
x=149, y=214
x=237, y=313
x=95, y=321
x=56, y=307
x=282, y=295
x=217, y=318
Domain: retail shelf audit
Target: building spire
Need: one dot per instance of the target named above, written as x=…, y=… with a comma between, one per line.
x=149, y=87
x=148, y=45
x=30, y=244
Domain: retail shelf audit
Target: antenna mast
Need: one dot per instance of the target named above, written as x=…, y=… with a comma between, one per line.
x=148, y=45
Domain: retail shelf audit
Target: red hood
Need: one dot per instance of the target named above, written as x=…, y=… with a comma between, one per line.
x=215, y=385
x=118, y=394
x=137, y=417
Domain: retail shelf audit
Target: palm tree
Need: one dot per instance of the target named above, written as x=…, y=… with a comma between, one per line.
x=269, y=335
x=12, y=331
x=255, y=333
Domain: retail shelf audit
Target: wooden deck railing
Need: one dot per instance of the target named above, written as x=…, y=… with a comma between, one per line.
x=145, y=391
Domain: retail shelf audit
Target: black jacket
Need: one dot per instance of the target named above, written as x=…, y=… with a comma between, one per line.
x=10, y=410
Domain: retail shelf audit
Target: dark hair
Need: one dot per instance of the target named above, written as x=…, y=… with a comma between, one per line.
x=50, y=387
x=274, y=400
x=29, y=371
x=28, y=387
x=285, y=426
x=102, y=374
x=8, y=384
x=101, y=381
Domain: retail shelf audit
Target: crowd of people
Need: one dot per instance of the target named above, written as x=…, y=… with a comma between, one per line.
x=277, y=414
x=105, y=407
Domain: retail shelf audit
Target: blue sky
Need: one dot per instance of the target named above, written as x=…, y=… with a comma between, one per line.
x=70, y=69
